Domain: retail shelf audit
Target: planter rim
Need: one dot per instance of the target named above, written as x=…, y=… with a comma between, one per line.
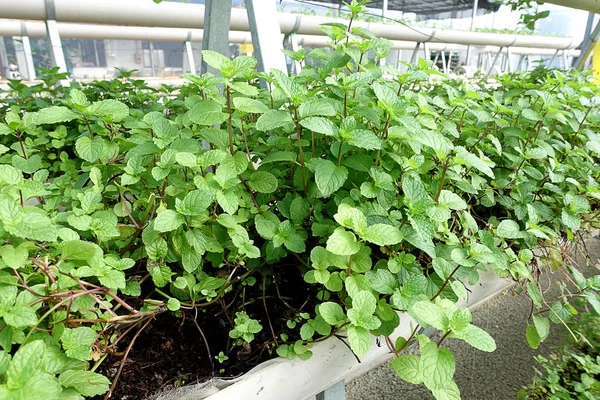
x=331, y=362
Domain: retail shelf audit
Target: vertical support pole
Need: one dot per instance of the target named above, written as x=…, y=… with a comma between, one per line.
x=553, y=58
x=96, y=53
x=444, y=63
x=28, y=54
x=565, y=60
x=20, y=58
x=494, y=62
x=334, y=392
x=521, y=58
x=508, y=59
x=384, y=8
x=425, y=51
x=57, y=56
x=190, y=53
x=266, y=35
x=586, y=48
x=152, y=64
x=475, y=6
x=3, y=59
x=596, y=63
x=217, y=16
x=437, y=57
x=413, y=58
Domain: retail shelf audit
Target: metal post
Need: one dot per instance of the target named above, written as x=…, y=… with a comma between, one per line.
x=586, y=48
x=57, y=56
x=96, y=53
x=444, y=63
x=494, y=62
x=266, y=35
x=3, y=59
x=521, y=58
x=217, y=15
x=565, y=60
x=190, y=53
x=508, y=59
x=334, y=392
x=384, y=8
x=425, y=51
x=413, y=58
x=152, y=65
x=475, y=5
x=553, y=58
x=292, y=41
x=20, y=58
x=28, y=54
x=437, y=57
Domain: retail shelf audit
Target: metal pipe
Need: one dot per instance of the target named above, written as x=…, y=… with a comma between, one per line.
x=475, y=4
x=99, y=32
x=190, y=16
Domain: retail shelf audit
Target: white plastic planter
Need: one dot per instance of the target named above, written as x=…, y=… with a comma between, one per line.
x=332, y=361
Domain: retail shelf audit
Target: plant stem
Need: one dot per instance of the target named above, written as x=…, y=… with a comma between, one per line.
x=267, y=310
x=442, y=179
x=339, y=160
x=439, y=343
x=446, y=282
x=116, y=379
x=87, y=123
x=19, y=137
x=300, y=152
x=229, y=125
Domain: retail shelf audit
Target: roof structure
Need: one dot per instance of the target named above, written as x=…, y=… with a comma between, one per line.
x=433, y=8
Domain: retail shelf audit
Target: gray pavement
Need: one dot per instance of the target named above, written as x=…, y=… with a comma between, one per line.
x=479, y=375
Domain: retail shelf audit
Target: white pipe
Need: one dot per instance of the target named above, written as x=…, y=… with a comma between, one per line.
x=190, y=16
x=99, y=32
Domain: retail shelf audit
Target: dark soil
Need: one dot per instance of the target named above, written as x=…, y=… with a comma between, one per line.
x=170, y=352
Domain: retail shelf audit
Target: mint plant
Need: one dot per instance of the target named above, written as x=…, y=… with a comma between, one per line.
x=369, y=190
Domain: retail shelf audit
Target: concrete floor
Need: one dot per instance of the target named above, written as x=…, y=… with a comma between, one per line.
x=479, y=375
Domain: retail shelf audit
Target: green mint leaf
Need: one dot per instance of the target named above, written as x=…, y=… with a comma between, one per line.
x=332, y=313
x=14, y=257
x=342, y=243
x=320, y=125
x=109, y=110
x=477, y=338
x=351, y=218
x=247, y=105
x=408, y=368
x=78, y=342
x=20, y=316
x=382, y=235
x=167, y=221
x=509, y=229
x=359, y=339
x=273, y=119
x=427, y=313
x=85, y=382
x=88, y=149
x=54, y=115
x=206, y=112
x=263, y=182
x=330, y=177
x=451, y=200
